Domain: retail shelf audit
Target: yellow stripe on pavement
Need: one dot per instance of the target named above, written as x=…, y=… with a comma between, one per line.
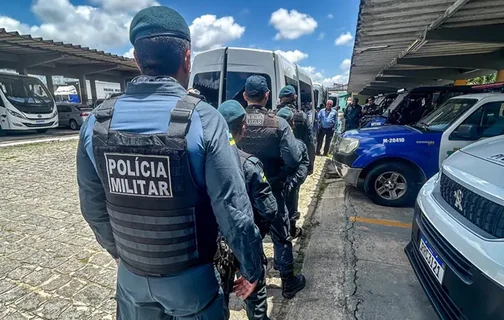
x=381, y=222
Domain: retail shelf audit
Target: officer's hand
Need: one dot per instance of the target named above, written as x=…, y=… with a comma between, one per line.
x=242, y=288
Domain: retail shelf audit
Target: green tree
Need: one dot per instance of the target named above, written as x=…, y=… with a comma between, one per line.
x=483, y=80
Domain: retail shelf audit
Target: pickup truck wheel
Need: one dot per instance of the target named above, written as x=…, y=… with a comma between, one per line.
x=391, y=184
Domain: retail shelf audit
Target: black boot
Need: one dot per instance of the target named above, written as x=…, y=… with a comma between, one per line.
x=295, y=232
x=292, y=285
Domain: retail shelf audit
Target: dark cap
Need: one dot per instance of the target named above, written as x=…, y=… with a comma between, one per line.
x=287, y=91
x=231, y=110
x=158, y=21
x=256, y=86
x=285, y=113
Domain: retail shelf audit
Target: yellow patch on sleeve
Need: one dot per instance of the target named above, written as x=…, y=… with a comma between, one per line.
x=263, y=177
x=230, y=138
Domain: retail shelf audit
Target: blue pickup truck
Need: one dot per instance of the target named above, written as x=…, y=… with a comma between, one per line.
x=392, y=162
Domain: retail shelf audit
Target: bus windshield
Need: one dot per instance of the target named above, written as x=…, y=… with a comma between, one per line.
x=25, y=92
x=443, y=116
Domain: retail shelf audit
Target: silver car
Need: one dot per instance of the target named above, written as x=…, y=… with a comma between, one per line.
x=72, y=115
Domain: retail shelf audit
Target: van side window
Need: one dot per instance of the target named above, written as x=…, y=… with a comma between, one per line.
x=489, y=120
x=235, y=86
x=208, y=84
x=292, y=82
x=306, y=95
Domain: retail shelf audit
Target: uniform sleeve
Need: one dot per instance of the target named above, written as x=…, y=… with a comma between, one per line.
x=92, y=194
x=310, y=145
x=226, y=188
x=261, y=195
x=301, y=173
x=288, y=147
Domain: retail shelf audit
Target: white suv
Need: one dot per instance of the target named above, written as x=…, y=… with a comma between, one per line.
x=457, y=241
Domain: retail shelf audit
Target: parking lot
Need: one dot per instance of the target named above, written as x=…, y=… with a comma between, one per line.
x=52, y=268
x=26, y=136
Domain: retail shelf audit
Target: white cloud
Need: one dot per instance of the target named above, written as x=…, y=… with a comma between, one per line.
x=344, y=38
x=292, y=25
x=330, y=16
x=125, y=5
x=345, y=65
x=129, y=53
x=319, y=77
x=293, y=56
x=208, y=32
x=321, y=36
x=89, y=26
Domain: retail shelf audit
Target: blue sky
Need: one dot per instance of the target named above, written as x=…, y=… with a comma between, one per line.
x=316, y=35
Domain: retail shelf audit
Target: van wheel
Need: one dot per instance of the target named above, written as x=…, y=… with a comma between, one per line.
x=392, y=184
x=74, y=125
x=41, y=130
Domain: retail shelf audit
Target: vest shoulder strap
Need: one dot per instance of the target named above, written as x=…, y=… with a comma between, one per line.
x=103, y=114
x=180, y=119
x=243, y=156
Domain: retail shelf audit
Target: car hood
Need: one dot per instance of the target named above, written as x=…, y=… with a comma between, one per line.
x=384, y=131
x=491, y=149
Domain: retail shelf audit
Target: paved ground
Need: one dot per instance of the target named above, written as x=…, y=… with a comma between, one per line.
x=50, y=265
x=355, y=263
x=33, y=135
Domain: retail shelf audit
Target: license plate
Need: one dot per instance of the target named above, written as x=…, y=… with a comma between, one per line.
x=40, y=121
x=434, y=262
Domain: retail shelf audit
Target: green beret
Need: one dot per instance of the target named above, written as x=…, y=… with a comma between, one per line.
x=231, y=110
x=256, y=86
x=158, y=21
x=287, y=91
x=285, y=113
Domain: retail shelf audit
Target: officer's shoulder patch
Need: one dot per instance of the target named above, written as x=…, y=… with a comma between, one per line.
x=230, y=138
x=254, y=160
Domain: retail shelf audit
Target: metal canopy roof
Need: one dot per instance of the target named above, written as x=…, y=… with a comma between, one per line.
x=408, y=43
x=46, y=57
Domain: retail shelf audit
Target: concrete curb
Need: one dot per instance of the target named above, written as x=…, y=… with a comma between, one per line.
x=43, y=140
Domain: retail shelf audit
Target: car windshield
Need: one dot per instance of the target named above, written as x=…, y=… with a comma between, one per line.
x=443, y=116
x=395, y=104
x=25, y=91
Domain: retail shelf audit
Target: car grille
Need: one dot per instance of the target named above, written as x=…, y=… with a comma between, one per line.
x=483, y=213
x=38, y=125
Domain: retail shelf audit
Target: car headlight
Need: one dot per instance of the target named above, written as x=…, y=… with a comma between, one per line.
x=348, y=145
x=54, y=113
x=16, y=114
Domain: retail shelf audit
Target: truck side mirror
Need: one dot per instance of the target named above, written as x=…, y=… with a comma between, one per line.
x=467, y=132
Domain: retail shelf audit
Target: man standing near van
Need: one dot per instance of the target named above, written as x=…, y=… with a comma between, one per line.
x=302, y=128
x=328, y=119
x=158, y=175
x=271, y=140
x=353, y=113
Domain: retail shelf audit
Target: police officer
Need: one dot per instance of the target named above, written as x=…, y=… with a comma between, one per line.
x=302, y=127
x=156, y=179
x=371, y=108
x=295, y=180
x=260, y=195
x=270, y=139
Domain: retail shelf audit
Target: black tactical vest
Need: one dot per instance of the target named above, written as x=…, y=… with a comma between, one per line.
x=162, y=222
x=262, y=139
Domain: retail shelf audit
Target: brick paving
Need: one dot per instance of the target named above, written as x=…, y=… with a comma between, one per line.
x=51, y=267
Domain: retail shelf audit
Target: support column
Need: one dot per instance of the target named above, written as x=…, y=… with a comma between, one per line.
x=50, y=84
x=83, y=91
x=500, y=76
x=122, y=84
x=461, y=82
x=92, y=84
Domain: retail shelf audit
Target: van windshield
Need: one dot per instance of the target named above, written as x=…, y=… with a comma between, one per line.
x=443, y=116
x=25, y=91
x=395, y=104
x=235, y=86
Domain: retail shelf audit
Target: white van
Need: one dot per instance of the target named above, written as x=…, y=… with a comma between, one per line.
x=220, y=75
x=457, y=241
x=26, y=104
x=320, y=93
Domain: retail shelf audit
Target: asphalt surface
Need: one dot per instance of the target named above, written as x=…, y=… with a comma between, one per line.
x=32, y=135
x=355, y=263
